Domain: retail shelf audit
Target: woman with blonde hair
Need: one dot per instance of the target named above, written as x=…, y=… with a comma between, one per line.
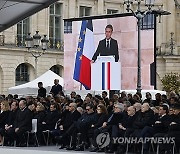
x=3, y=116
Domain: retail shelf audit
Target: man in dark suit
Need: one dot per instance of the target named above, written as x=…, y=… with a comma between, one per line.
x=41, y=90
x=56, y=88
x=107, y=46
x=22, y=123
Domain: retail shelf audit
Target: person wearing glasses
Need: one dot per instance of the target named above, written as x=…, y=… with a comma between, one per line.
x=114, y=119
x=81, y=127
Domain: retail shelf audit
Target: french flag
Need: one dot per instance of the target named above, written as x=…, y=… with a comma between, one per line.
x=85, y=52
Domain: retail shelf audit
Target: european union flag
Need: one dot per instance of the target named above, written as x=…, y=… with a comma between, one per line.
x=79, y=52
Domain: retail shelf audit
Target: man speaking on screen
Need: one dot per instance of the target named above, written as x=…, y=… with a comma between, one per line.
x=107, y=46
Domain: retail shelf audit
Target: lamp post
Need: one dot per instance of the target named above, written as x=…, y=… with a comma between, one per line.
x=139, y=14
x=34, y=42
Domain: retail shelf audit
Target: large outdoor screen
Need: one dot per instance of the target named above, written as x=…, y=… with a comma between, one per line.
x=81, y=39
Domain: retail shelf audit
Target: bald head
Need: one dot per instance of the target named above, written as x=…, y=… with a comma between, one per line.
x=22, y=104
x=72, y=107
x=145, y=107
x=131, y=111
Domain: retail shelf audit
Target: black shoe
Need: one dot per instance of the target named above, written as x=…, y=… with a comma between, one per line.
x=100, y=150
x=94, y=150
x=168, y=152
x=71, y=148
x=21, y=145
x=109, y=151
x=61, y=147
x=81, y=148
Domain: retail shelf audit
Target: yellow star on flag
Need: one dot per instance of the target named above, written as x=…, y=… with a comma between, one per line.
x=80, y=57
x=78, y=49
x=80, y=39
x=84, y=32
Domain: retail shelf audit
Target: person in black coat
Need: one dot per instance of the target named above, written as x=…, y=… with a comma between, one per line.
x=159, y=128
x=107, y=46
x=4, y=113
x=51, y=118
x=126, y=123
x=23, y=123
x=40, y=116
x=102, y=116
x=144, y=118
x=113, y=120
x=71, y=117
x=82, y=125
x=11, y=118
x=41, y=90
x=173, y=131
x=65, y=123
x=3, y=116
x=120, y=130
x=12, y=113
x=56, y=88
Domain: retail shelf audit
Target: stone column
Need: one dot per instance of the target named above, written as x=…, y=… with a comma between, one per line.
x=170, y=19
x=72, y=8
x=100, y=7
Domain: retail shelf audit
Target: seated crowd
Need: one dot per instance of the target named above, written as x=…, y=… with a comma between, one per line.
x=74, y=123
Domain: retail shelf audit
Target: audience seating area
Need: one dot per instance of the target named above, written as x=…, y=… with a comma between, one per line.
x=75, y=124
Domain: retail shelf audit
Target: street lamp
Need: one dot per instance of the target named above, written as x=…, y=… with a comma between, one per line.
x=139, y=14
x=34, y=42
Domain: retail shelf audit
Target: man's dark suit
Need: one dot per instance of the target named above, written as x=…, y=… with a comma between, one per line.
x=56, y=89
x=42, y=92
x=23, y=121
x=102, y=50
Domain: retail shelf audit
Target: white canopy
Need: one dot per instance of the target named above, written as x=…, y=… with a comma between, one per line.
x=31, y=88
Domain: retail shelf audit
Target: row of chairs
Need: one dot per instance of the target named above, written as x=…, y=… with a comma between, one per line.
x=46, y=139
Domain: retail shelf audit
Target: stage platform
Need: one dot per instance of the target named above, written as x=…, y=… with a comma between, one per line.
x=37, y=150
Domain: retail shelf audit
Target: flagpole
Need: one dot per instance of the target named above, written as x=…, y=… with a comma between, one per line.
x=81, y=86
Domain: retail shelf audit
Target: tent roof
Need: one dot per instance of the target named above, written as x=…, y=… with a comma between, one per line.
x=47, y=79
x=13, y=11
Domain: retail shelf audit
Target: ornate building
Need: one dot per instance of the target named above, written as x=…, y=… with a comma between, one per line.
x=17, y=65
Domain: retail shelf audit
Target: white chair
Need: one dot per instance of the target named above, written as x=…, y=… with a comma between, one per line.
x=33, y=131
x=46, y=139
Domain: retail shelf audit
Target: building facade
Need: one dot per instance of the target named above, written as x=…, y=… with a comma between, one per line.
x=17, y=65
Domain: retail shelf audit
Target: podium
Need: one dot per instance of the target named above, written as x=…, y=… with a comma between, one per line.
x=106, y=74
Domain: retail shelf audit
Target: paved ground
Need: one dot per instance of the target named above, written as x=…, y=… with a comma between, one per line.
x=41, y=150
x=36, y=150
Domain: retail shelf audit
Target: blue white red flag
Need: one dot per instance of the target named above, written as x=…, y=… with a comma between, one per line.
x=85, y=52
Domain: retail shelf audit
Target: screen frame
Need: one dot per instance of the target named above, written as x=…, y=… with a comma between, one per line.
x=124, y=15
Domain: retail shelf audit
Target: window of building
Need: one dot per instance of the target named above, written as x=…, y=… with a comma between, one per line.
x=67, y=27
x=148, y=22
x=22, y=74
x=55, y=21
x=84, y=11
x=111, y=11
x=57, y=69
x=23, y=28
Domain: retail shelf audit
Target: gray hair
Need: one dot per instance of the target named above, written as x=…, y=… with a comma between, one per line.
x=120, y=106
x=74, y=105
x=127, y=103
